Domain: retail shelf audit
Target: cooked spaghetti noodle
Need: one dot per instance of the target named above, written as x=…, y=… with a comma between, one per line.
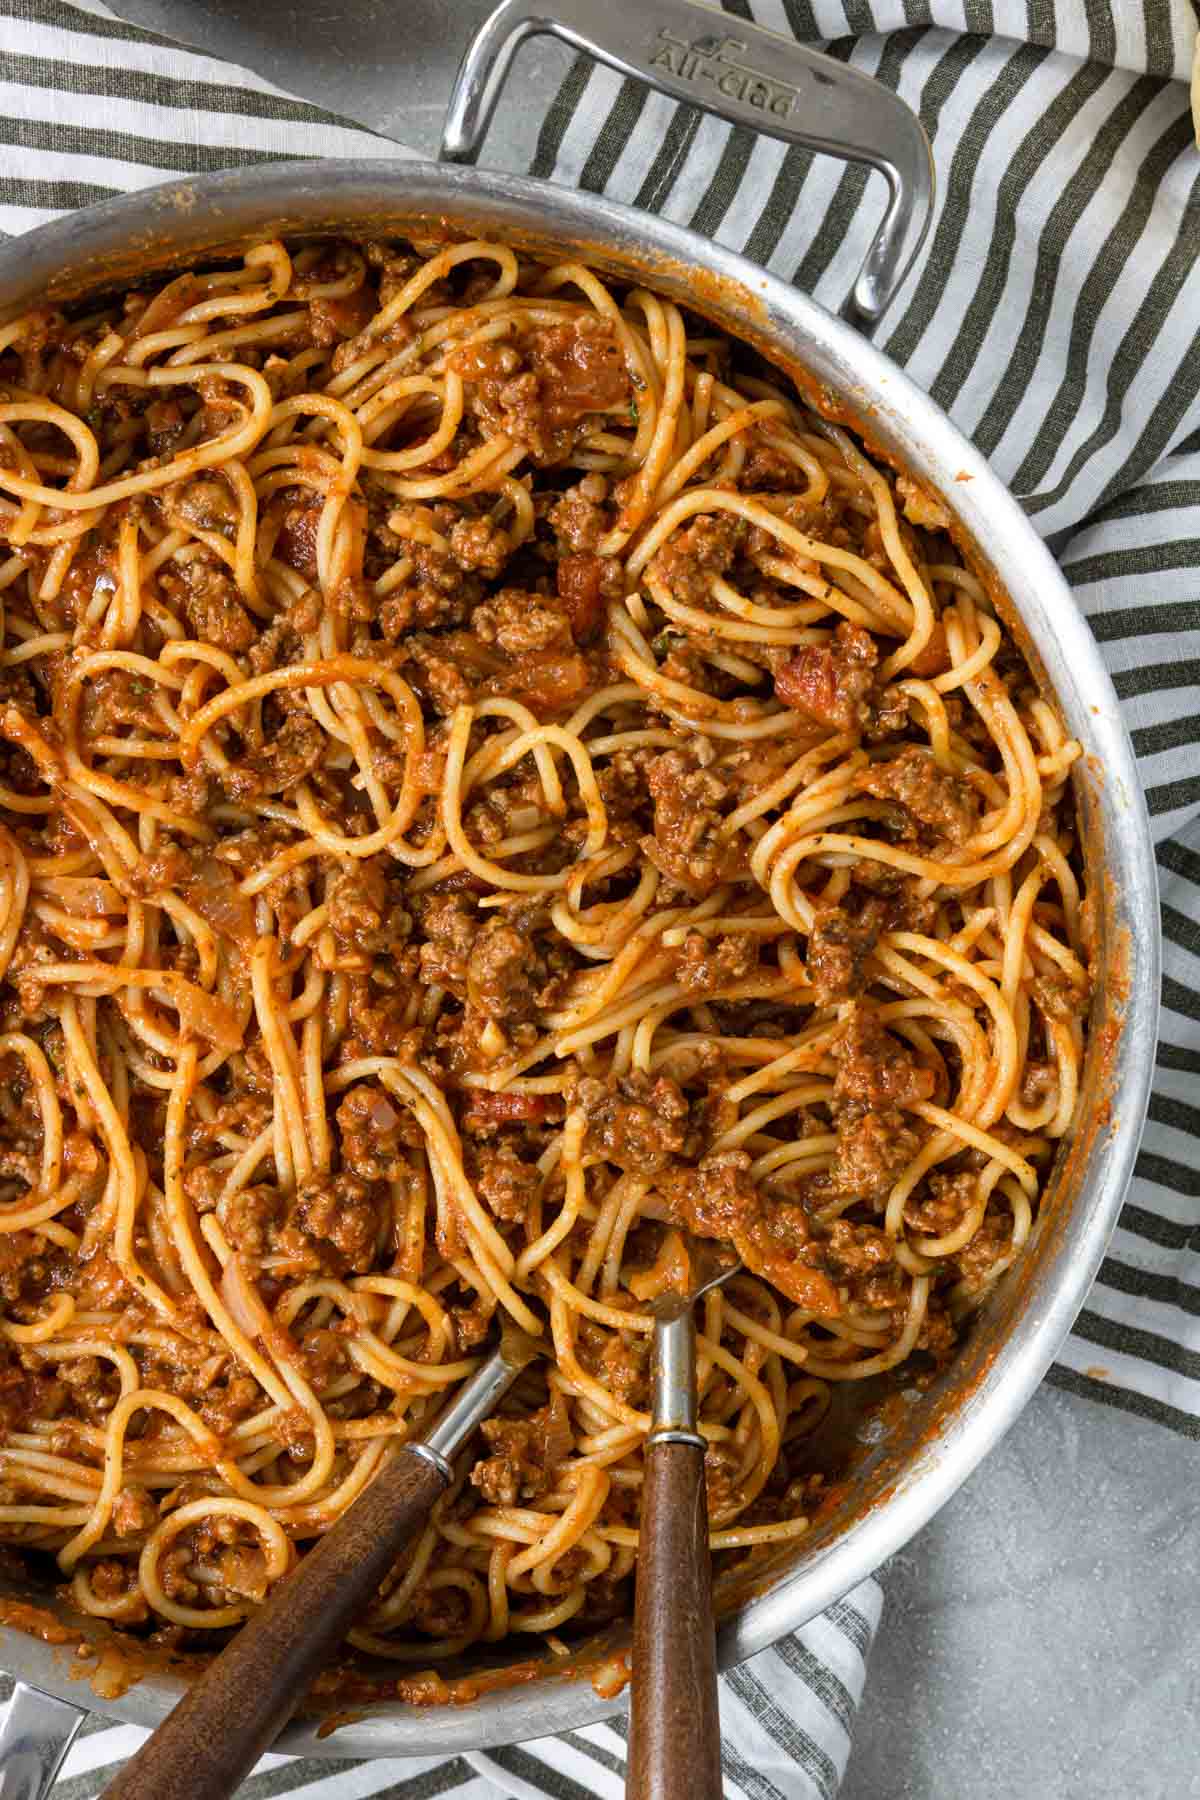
x=487, y=773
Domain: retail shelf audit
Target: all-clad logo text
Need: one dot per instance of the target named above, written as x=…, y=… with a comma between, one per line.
x=717, y=59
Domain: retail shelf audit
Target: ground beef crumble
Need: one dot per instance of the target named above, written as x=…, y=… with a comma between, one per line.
x=525, y=1454
x=831, y=683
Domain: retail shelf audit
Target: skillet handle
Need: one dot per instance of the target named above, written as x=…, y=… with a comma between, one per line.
x=36, y=1732
x=742, y=73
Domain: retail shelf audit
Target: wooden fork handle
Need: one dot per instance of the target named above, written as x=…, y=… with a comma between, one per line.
x=211, y=1740
x=675, y=1732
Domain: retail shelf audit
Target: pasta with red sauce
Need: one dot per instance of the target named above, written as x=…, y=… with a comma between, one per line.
x=486, y=771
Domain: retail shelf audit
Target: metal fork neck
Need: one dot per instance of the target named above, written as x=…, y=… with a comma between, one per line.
x=673, y=1403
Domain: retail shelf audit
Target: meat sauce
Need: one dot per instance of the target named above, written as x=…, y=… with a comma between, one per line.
x=559, y=932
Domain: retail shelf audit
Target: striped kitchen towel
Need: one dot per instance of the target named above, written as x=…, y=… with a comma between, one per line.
x=1054, y=313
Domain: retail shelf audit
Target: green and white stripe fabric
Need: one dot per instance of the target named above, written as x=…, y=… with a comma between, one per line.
x=91, y=107
x=1054, y=313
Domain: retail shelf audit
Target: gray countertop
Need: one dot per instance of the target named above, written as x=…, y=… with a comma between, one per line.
x=1039, y=1640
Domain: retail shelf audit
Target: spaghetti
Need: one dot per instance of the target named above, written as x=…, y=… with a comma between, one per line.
x=486, y=771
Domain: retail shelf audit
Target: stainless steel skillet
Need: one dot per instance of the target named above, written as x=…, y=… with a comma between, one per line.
x=931, y=1443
